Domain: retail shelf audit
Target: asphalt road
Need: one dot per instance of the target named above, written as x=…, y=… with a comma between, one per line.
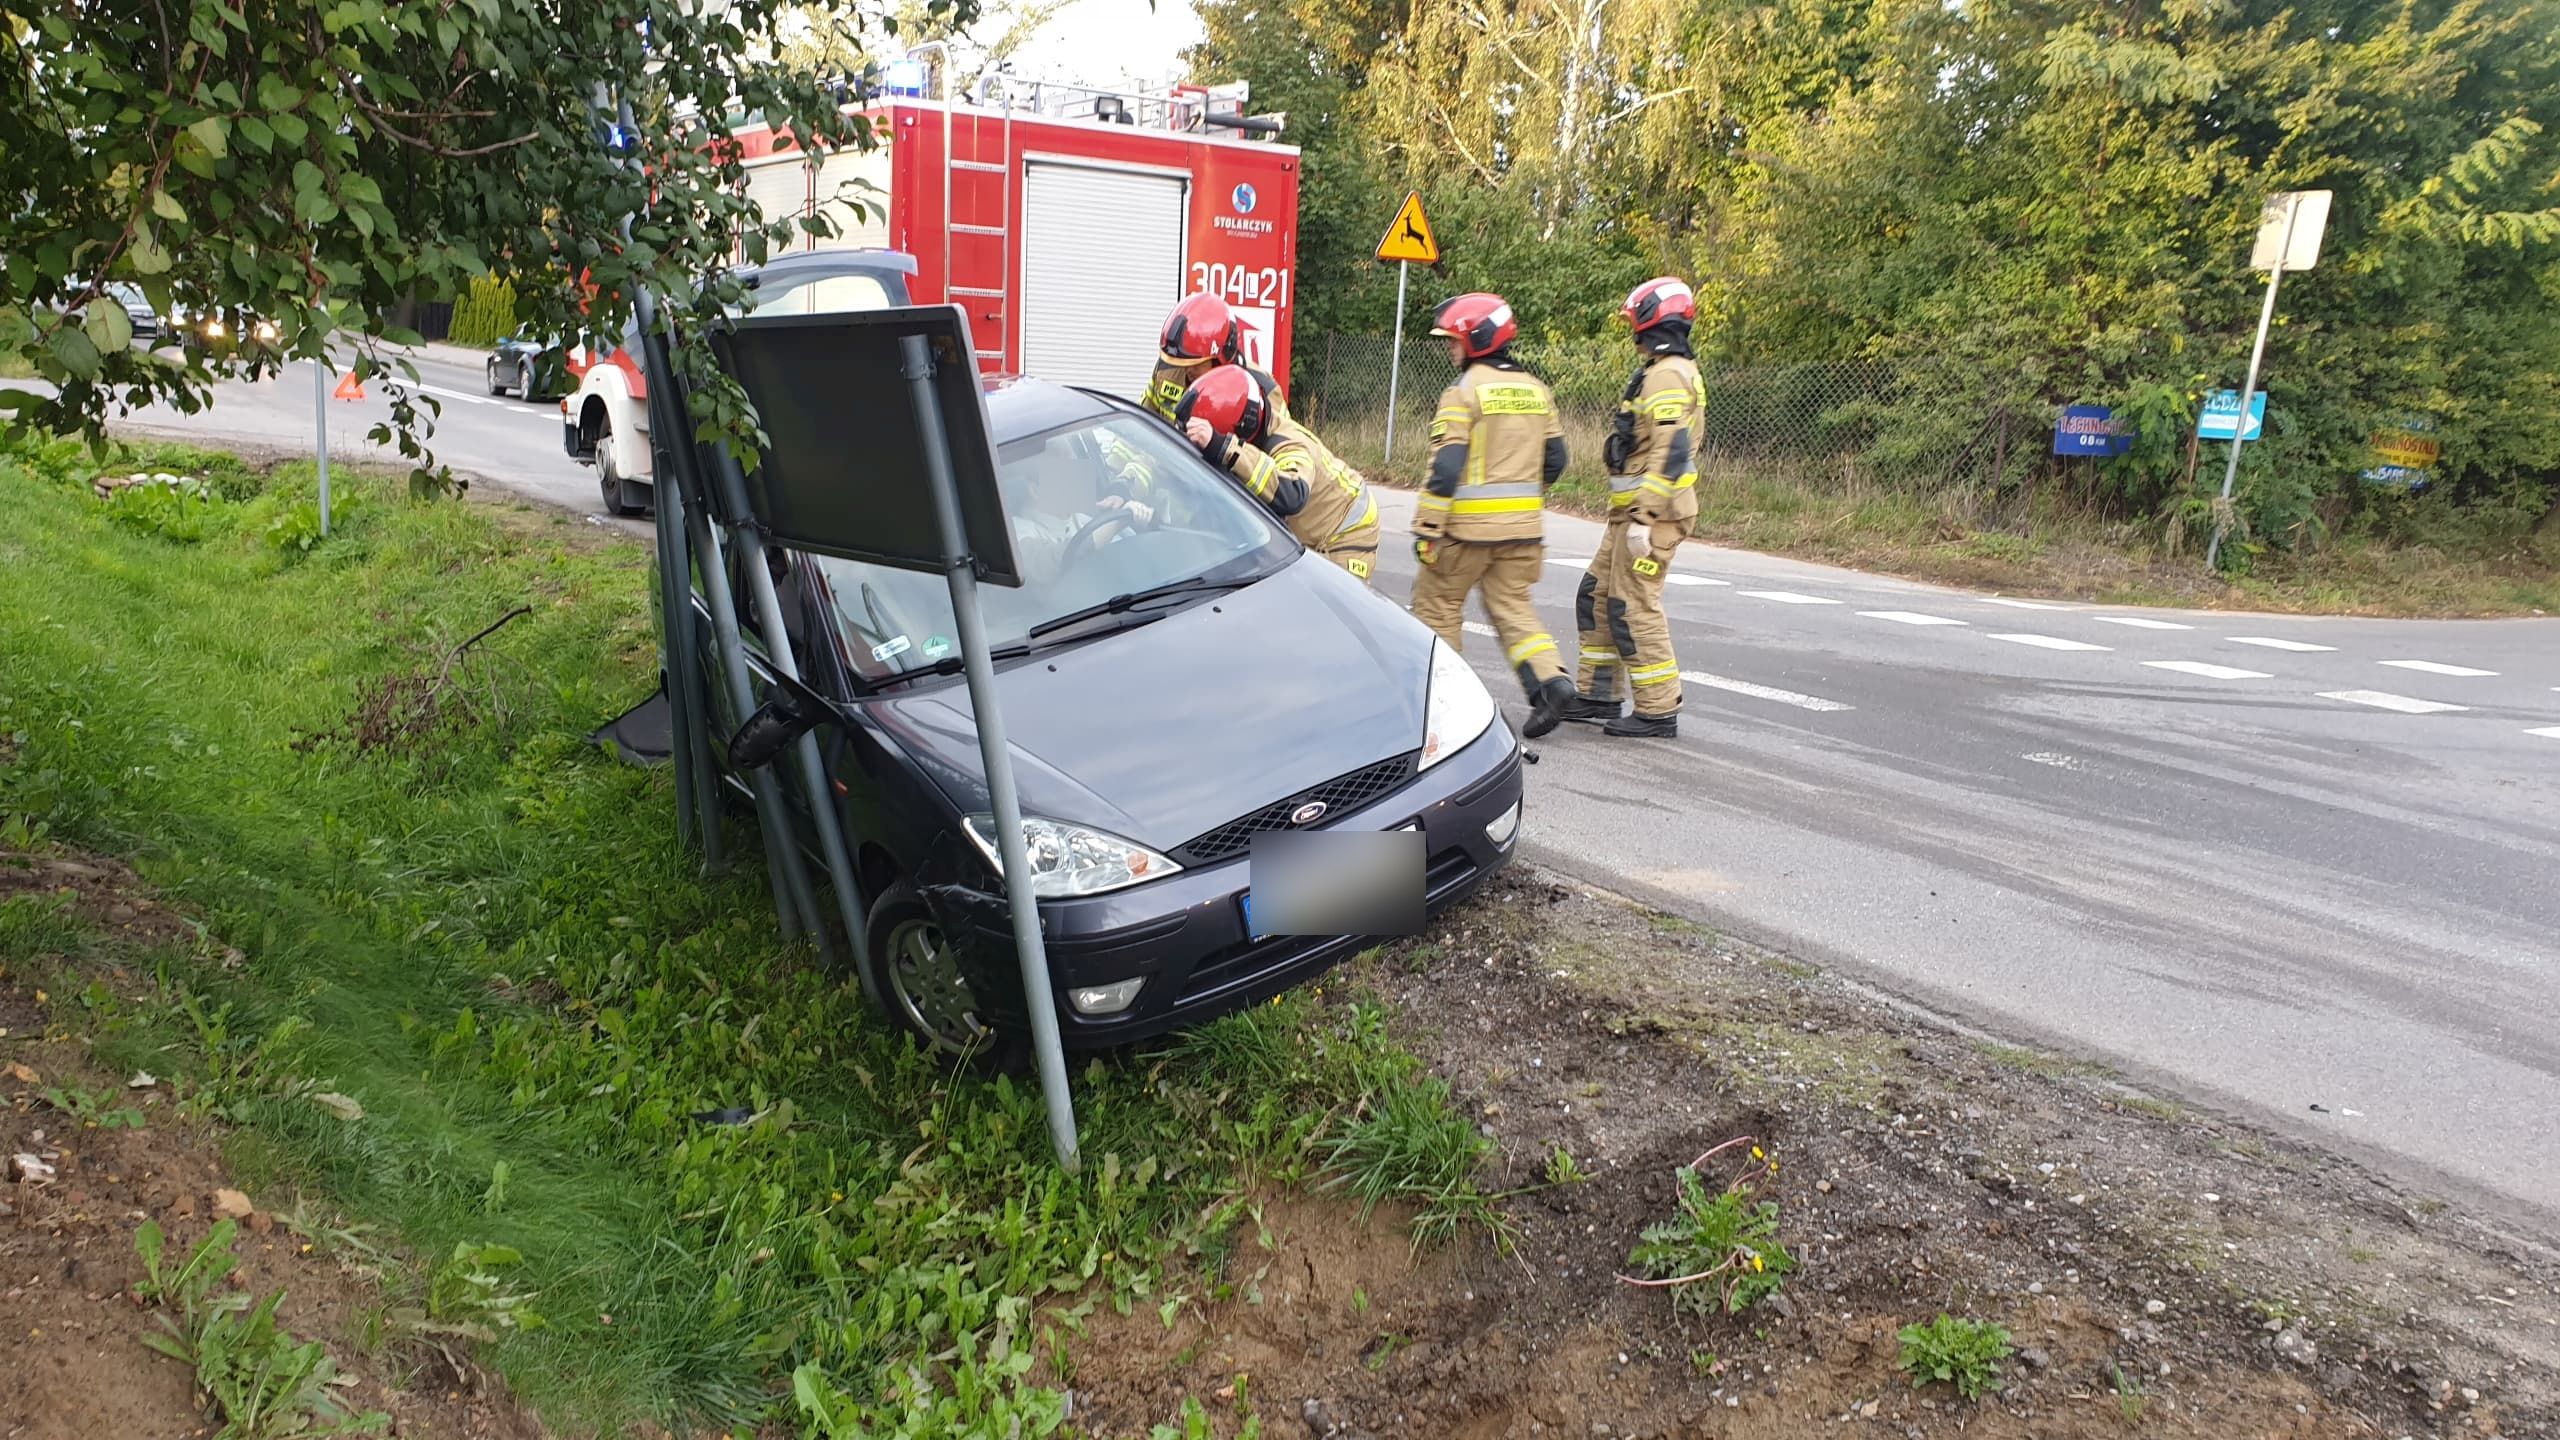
x=2307, y=869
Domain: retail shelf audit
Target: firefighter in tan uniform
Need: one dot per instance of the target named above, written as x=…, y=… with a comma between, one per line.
x=1480, y=521
x=1231, y=414
x=1653, y=505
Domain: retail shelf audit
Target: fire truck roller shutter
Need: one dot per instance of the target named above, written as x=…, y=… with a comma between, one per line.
x=778, y=186
x=1102, y=257
x=840, y=183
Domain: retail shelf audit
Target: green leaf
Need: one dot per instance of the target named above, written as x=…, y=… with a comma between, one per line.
x=166, y=206
x=258, y=133
x=148, y=255
x=15, y=328
x=213, y=132
x=108, y=326
x=277, y=93
x=78, y=354
x=289, y=128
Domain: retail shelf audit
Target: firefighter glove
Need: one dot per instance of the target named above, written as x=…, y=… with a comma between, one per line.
x=1425, y=548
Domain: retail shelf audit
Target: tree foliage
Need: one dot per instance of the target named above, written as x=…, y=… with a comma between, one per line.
x=319, y=164
x=2010, y=204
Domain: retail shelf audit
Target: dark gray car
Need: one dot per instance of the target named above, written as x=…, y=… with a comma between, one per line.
x=1241, y=686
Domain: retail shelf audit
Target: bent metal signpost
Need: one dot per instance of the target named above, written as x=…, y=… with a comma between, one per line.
x=2289, y=232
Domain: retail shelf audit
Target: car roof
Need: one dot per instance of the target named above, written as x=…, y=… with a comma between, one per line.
x=803, y=263
x=1018, y=406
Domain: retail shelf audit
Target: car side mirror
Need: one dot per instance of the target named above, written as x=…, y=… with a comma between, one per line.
x=793, y=710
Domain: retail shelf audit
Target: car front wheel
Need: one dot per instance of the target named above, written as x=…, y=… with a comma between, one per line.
x=621, y=497
x=917, y=972
x=494, y=387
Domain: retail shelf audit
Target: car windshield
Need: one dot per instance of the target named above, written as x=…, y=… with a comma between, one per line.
x=1068, y=495
x=819, y=295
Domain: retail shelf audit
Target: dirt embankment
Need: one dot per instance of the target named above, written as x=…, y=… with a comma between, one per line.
x=2161, y=1271
x=111, y=1150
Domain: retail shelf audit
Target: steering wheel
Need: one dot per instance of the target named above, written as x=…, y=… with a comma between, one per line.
x=1093, y=540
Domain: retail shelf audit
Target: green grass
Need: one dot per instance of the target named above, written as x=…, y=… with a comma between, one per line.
x=493, y=944
x=1967, y=1354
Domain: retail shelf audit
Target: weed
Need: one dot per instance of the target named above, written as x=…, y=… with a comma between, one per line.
x=1563, y=1169
x=1382, y=1350
x=467, y=1298
x=173, y=508
x=1704, y=1363
x=96, y=1110
x=257, y=1379
x=2130, y=1399
x=1718, y=1249
x=1412, y=1145
x=1359, y=1300
x=295, y=531
x=1963, y=1353
x=1195, y=1424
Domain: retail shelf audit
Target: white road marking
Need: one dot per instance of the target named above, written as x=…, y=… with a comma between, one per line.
x=2210, y=672
x=2437, y=668
x=2272, y=643
x=1788, y=597
x=2381, y=700
x=1478, y=627
x=453, y=394
x=1907, y=617
x=2550, y=731
x=2058, y=762
x=1568, y=559
x=1694, y=580
x=2023, y=604
x=2049, y=642
x=2139, y=623
x=1765, y=692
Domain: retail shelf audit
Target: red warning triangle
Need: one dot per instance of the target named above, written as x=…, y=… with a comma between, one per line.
x=350, y=388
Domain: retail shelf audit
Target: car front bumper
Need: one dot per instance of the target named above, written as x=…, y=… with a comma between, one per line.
x=1185, y=935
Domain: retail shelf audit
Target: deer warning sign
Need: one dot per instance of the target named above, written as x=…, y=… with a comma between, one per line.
x=1409, y=238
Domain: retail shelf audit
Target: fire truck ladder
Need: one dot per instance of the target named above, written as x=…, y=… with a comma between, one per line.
x=1001, y=231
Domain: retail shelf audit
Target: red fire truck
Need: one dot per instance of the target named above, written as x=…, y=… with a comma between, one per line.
x=1067, y=221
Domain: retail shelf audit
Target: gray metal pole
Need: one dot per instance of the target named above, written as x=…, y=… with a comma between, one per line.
x=674, y=609
x=320, y=424
x=2249, y=390
x=689, y=689
x=813, y=766
x=1395, y=364
x=1037, y=999
x=792, y=902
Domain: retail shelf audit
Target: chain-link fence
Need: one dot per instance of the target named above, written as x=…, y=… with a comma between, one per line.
x=1817, y=423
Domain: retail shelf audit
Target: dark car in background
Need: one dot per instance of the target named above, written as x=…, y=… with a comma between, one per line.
x=137, y=308
x=528, y=368
x=1171, y=690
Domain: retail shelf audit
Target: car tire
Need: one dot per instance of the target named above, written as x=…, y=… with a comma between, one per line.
x=494, y=387
x=524, y=379
x=621, y=497
x=918, y=978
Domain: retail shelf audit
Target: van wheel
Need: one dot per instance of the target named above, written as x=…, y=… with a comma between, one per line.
x=621, y=497
x=917, y=973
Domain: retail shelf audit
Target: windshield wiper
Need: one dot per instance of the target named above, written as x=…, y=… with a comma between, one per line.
x=1118, y=604
x=952, y=664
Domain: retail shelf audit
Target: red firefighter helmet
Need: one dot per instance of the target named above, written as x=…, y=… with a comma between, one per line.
x=1666, y=297
x=1203, y=328
x=1480, y=323
x=1230, y=399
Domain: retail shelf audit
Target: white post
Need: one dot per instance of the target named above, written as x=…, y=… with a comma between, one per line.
x=2249, y=389
x=320, y=417
x=1395, y=362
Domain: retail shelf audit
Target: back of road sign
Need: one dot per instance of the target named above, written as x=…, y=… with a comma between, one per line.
x=2289, y=230
x=1409, y=238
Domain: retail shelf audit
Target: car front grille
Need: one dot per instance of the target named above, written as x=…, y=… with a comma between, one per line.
x=1341, y=796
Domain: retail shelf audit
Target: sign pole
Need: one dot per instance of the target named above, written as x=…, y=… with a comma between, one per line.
x=2240, y=427
x=993, y=748
x=320, y=415
x=1395, y=361
x=2274, y=250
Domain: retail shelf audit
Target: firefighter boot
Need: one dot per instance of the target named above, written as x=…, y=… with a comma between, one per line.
x=1644, y=727
x=1589, y=711
x=1547, y=704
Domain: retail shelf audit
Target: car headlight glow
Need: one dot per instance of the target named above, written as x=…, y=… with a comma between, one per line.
x=266, y=329
x=213, y=328
x=1071, y=860
x=1459, y=709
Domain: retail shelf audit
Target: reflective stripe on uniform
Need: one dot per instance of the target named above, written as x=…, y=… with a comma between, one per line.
x=1429, y=501
x=1668, y=672
x=1365, y=512
x=1465, y=504
x=1537, y=644
x=1591, y=656
x=1263, y=478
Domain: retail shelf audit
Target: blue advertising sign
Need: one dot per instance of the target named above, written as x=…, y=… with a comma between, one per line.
x=2089, y=430
x=2222, y=415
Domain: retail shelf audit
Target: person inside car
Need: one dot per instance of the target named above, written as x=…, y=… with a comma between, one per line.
x=1047, y=496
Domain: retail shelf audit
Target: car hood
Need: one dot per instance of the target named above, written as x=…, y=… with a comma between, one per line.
x=1163, y=733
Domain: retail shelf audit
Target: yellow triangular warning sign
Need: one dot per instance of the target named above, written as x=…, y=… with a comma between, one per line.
x=1409, y=238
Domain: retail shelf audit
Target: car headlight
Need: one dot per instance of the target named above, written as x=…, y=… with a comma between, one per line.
x=1070, y=860
x=1459, y=710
